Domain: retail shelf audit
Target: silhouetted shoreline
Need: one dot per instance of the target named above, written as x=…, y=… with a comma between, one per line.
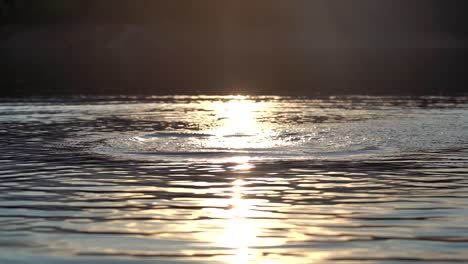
x=233, y=47
x=129, y=59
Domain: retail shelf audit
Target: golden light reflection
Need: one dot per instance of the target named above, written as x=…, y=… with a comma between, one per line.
x=245, y=231
x=237, y=127
x=237, y=228
x=242, y=164
x=240, y=233
x=238, y=118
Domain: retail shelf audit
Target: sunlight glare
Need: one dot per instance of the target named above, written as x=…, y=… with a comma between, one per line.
x=237, y=126
x=242, y=164
x=239, y=118
x=240, y=232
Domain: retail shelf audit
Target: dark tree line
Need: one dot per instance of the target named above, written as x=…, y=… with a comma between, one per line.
x=64, y=11
x=449, y=16
x=211, y=46
x=49, y=11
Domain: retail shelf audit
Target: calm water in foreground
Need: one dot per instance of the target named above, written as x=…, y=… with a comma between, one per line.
x=234, y=180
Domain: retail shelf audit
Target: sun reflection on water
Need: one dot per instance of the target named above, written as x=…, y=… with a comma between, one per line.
x=244, y=229
x=237, y=126
x=238, y=118
x=240, y=233
x=243, y=164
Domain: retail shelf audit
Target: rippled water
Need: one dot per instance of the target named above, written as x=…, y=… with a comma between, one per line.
x=234, y=180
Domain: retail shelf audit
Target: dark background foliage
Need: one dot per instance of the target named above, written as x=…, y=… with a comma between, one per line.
x=297, y=47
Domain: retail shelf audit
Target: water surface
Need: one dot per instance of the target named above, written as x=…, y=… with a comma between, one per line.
x=234, y=180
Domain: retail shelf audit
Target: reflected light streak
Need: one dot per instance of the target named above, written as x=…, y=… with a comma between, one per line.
x=238, y=128
x=239, y=118
x=243, y=233
x=240, y=233
x=243, y=164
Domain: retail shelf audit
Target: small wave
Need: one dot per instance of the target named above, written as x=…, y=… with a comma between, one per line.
x=189, y=153
x=348, y=152
x=238, y=135
x=175, y=135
